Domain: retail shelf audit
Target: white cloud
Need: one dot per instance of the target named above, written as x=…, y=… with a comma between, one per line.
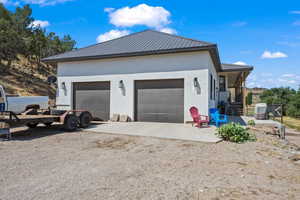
x=296, y=23
x=111, y=35
x=4, y=1
x=289, y=75
x=108, y=10
x=45, y=2
x=239, y=24
x=240, y=63
x=154, y=17
x=295, y=12
x=287, y=81
x=168, y=30
x=40, y=23
x=270, y=55
x=279, y=80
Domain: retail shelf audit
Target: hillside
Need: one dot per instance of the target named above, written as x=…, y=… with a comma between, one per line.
x=26, y=78
x=22, y=45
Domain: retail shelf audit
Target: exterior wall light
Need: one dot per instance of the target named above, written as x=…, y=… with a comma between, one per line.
x=63, y=85
x=64, y=88
x=121, y=84
x=196, y=84
x=122, y=87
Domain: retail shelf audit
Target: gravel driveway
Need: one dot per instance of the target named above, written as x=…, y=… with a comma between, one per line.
x=52, y=164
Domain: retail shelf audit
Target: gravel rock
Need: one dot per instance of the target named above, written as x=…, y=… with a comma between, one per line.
x=48, y=163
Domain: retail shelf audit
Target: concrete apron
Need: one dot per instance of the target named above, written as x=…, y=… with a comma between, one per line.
x=159, y=130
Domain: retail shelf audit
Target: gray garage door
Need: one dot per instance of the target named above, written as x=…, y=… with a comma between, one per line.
x=159, y=101
x=94, y=97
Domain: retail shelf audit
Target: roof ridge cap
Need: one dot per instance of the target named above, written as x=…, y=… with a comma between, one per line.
x=178, y=36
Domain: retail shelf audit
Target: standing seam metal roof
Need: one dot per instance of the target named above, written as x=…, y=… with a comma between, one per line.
x=234, y=67
x=145, y=41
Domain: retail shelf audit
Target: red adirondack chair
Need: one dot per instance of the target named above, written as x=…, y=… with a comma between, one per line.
x=199, y=120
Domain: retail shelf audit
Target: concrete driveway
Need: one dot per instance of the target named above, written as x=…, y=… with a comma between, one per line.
x=160, y=130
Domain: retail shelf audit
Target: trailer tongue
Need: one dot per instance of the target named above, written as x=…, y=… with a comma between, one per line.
x=70, y=119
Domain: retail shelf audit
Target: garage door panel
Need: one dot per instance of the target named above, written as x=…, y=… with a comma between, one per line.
x=94, y=97
x=160, y=100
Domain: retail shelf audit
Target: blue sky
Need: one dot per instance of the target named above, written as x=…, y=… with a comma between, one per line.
x=265, y=34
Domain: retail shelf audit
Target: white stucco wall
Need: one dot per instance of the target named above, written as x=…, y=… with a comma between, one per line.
x=212, y=70
x=167, y=66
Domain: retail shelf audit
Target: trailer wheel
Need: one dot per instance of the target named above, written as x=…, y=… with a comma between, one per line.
x=32, y=125
x=71, y=122
x=32, y=106
x=85, y=119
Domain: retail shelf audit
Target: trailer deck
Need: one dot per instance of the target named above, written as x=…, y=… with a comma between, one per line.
x=71, y=119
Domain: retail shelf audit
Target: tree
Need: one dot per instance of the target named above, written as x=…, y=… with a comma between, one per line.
x=293, y=109
x=67, y=43
x=10, y=43
x=38, y=43
x=18, y=36
x=249, y=100
x=278, y=96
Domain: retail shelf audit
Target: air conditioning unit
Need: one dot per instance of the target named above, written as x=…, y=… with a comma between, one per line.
x=261, y=111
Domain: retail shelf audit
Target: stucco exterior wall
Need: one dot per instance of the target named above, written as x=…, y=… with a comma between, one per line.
x=168, y=66
x=212, y=70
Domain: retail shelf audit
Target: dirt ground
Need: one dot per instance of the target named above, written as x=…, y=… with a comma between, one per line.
x=51, y=164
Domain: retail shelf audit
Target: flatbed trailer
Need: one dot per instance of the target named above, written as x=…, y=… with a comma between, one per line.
x=70, y=119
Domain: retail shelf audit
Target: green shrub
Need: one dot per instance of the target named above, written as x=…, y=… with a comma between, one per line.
x=251, y=123
x=235, y=133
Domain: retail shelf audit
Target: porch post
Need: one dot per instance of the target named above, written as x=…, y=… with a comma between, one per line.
x=244, y=93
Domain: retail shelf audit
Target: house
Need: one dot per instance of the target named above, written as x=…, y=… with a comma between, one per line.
x=149, y=76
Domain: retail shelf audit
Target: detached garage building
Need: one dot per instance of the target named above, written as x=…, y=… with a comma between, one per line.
x=149, y=76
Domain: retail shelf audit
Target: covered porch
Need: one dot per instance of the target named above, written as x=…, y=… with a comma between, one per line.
x=232, y=88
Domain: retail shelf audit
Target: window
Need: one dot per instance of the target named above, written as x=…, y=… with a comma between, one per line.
x=222, y=84
x=211, y=86
x=214, y=89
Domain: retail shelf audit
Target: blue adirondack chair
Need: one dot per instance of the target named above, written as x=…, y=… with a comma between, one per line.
x=216, y=117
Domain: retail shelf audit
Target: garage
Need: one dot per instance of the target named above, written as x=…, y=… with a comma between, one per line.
x=159, y=100
x=94, y=97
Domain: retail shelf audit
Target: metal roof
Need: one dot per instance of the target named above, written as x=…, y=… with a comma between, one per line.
x=234, y=67
x=142, y=43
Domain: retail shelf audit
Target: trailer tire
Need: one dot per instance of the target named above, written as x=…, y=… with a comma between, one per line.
x=32, y=106
x=71, y=122
x=85, y=119
x=32, y=125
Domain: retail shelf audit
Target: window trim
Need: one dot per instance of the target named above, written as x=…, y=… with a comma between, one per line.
x=211, y=86
x=224, y=84
x=214, y=89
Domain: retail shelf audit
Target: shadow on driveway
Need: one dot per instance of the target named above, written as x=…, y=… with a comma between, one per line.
x=25, y=134
x=238, y=120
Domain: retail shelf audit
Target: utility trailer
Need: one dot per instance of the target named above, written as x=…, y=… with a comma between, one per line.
x=70, y=119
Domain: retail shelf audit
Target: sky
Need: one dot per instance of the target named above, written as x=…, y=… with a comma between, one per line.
x=264, y=34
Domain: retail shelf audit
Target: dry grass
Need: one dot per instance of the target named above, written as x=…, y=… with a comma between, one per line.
x=291, y=122
x=26, y=77
x=115, y=143
x=64, y=165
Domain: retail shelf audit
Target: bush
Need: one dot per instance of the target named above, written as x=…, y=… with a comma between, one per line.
x=235, y=133
x=251, y=123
